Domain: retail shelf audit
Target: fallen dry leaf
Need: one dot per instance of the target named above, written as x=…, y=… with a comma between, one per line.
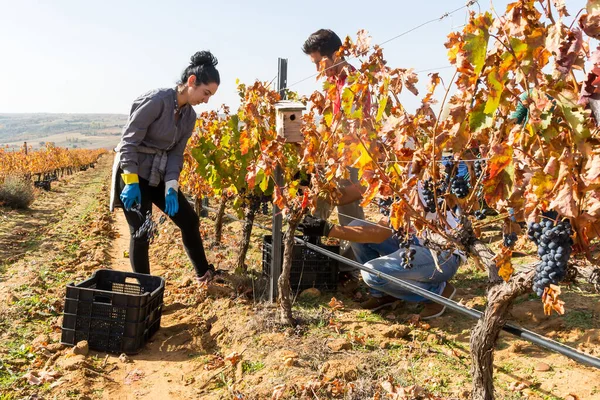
x=133, y=376
x=336, y=326
x=49, y=376
x=425, y=326
x=356, y=338
x=337, y=387
x=278, y=392
x=336, y=304
x=32, y=379
x=414, y=319
x=214, y=363
x=396, y=392
x=233, y=358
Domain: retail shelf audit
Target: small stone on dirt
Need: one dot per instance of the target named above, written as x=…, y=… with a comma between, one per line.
x=40, y=341
x=81, y=348
x=542, y=367
x=54, y=347
x=516, y=347
x=310, y=293
x=124, y=358
x=398, y=331
x=289, y=357
x=339, y=345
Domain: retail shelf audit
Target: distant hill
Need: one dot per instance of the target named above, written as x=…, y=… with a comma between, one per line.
x=65, y=130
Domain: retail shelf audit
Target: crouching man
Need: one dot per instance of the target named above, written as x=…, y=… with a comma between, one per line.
x=380, y=250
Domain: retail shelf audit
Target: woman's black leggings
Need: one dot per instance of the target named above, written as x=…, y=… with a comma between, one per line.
x=186, y=219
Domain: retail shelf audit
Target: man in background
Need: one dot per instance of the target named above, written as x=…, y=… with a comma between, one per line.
x=321, y=47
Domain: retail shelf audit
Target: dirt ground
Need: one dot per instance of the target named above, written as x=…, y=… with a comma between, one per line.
x=222, y=342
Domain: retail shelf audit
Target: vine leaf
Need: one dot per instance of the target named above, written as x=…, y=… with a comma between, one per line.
x=551, y=300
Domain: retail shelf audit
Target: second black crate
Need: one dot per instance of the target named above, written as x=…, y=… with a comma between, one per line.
x=309, y=268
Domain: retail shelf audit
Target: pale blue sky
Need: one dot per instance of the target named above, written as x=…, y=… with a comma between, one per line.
x=81, y=56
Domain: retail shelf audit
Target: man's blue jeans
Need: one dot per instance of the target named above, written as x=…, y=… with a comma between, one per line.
x=385, y=257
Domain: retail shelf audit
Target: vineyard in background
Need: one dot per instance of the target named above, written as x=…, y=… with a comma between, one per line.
x=49, y=163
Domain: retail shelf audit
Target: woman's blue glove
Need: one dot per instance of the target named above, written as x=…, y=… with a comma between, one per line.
x=171, y=202
x=171, y=198
x=131, y=195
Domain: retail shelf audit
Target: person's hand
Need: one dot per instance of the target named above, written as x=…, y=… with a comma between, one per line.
x=131, y=193
x=171, y=202
x=171, y=198
x=312, y=226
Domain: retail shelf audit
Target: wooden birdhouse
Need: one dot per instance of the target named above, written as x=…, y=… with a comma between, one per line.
x=289, y=120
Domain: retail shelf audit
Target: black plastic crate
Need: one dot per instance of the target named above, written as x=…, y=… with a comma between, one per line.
x=309, y=268
x=114, y=311
x=45, y=184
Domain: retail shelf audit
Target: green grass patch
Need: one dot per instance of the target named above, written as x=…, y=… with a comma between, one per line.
x=249, y=367
x=7, y=379
x=579, y=320
x=369, y=316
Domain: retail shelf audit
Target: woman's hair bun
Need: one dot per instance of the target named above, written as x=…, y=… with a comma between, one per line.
x=204, y=58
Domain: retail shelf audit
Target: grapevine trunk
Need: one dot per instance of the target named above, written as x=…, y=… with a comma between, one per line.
x=283, y=284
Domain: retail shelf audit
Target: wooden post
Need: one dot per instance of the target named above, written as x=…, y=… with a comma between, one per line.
x=25, y=147
x=276, y=234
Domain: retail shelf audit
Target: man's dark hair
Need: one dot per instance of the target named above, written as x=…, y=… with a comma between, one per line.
x=324, y=41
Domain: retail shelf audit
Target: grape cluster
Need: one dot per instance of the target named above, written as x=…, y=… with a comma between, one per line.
x=510, y=239
x=385, y=206
x=409, y=254
x=265, y=208
x=442, y=188
x=428, y=196
x=460, y=187
x=149, y=228
x=253, y=203
x=554, y=248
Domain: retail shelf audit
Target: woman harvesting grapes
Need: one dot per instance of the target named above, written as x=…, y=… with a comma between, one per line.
x=149, y=160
